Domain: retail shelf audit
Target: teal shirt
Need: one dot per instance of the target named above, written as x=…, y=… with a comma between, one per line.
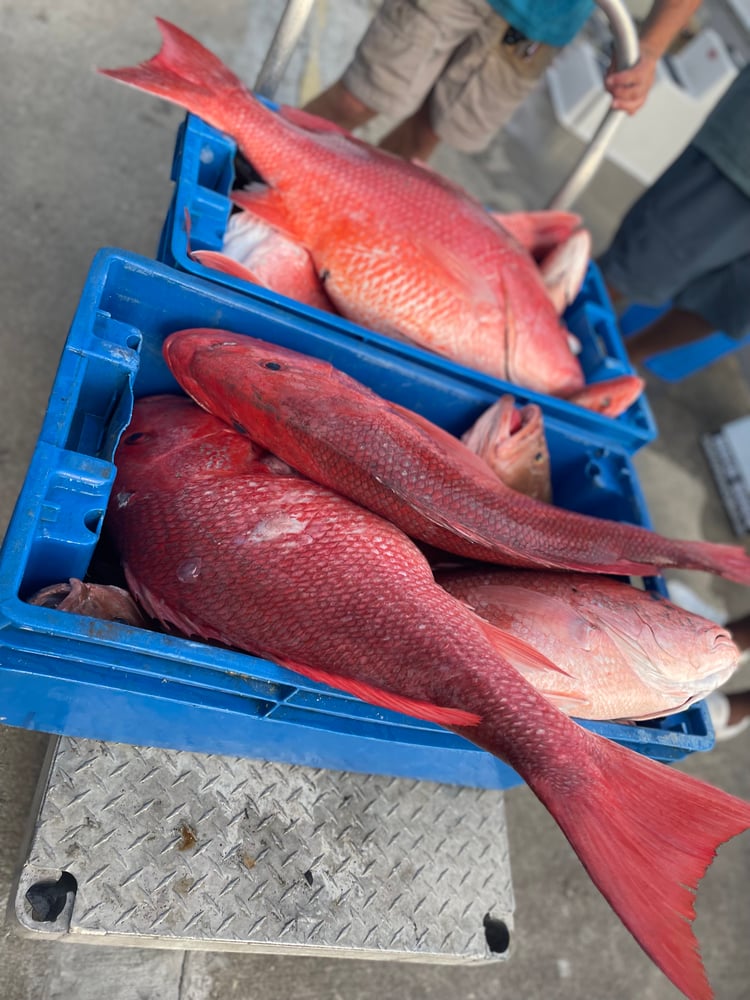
x=724, y=137
x=555, y=22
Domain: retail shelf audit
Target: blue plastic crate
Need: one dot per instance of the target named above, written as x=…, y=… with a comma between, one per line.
x=680, y=362
x=67, y=674
x=203, y=172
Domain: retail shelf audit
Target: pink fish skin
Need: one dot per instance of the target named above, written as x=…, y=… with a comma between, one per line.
x=400, y=249
x=626, y=653
x=264, y=573
x=512, y=442
x=339, y=433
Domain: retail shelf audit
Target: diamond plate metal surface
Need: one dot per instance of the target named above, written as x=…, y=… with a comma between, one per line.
x=176, y=849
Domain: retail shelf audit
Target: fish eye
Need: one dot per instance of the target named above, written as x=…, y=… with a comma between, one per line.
x=132, y=438
x=273, y=366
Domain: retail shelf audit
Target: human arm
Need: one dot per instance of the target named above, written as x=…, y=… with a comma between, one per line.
x=630, y=87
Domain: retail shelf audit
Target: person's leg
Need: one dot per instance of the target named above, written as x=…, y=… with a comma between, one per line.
x=414, y=138
x=730, y=712
x=673, y=328
x=740, y=631
x=396, y=64
x=483, y=84
x=690, y=222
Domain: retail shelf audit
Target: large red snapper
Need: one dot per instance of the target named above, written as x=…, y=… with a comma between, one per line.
x=219, y=543
x=626, y=653
x=400, y=249
x=408, y=470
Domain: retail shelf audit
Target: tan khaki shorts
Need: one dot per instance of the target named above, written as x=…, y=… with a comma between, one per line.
x=449, y=53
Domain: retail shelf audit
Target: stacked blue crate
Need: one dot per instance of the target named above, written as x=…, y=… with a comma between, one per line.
x=203, y=172
x=77, y=676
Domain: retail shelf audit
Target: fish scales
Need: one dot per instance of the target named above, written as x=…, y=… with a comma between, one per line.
x=339, y=433
x=469, y=287
x=352, y=592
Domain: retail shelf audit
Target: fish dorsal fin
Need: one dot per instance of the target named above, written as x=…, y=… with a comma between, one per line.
x=268, y=205
x=387, y=699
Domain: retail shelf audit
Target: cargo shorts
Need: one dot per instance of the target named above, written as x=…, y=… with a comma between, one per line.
x=451, y=55
x=686, y=241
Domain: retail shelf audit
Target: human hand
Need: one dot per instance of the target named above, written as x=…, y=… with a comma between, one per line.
x=630, y=87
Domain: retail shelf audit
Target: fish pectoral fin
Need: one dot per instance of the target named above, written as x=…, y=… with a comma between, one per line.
x=538, y=611
x=539, y=232
x=351, y=248
x=564, y=269
x=520, y=653
x=218, y=261
x=268, y=205
x=387, y=699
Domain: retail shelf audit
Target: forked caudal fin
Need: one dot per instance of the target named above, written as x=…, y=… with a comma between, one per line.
x=185, y=72
x=646, y=835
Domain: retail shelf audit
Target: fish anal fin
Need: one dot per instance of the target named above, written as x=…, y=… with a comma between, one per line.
x=386, y=699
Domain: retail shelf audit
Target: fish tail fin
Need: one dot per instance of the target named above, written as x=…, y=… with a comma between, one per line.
x=729, y=561
x=646, y=835
x=186, y=73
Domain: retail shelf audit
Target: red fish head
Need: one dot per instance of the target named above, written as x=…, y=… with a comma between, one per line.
x=162, y=435
x=216, y=367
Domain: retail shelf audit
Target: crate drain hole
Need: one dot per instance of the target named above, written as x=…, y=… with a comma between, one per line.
x=92, y=520
x=47, y=899
x=496, y=934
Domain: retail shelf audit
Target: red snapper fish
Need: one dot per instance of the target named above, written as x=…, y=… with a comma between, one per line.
x=399, y=249
x=625, y=653
x=405, y=468
x=285, y=568
x=512, y=442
